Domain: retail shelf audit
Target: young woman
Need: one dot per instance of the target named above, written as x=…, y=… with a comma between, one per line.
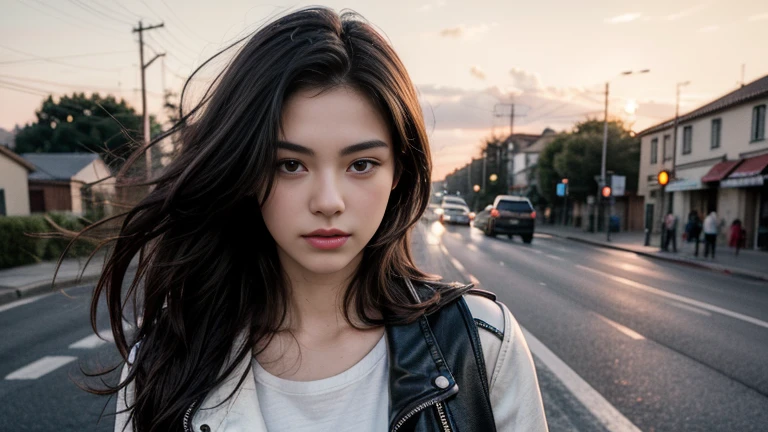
x=277, y=289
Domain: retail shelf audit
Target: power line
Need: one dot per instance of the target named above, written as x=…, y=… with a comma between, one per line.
x=61, y=63
x=183, y=25
x=65, y=57
x=94, y=11
x=168, y=32
x=20, y=90
x=78, y=20
x=57, y=84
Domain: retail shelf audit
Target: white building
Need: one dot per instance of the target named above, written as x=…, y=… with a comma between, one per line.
x=720, y=162
x=14, y=191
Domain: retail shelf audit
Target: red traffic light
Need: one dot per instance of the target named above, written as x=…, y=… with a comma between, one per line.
x=606, y=191
x=663, y=177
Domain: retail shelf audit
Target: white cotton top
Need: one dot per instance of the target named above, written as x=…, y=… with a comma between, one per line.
x=352, y=401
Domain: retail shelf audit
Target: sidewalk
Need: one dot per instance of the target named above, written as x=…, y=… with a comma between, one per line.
x=750, y=263
x=35, y=279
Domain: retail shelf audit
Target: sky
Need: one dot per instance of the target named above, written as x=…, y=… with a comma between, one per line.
x=468, y=59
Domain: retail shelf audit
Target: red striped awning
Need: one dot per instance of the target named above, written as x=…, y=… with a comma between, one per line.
x=720, y=171
x=751, y=167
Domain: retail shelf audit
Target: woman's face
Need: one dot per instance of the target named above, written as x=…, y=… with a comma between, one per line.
x=334, y=176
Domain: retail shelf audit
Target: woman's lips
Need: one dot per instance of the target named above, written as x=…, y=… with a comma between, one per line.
x=327, y=242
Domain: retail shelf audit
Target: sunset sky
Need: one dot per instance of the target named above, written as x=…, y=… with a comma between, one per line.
x=552, y=58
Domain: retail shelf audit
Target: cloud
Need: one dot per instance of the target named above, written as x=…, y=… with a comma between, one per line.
x=525, y=81
x=431, y=5
x=709, y=29
x=467, y=32
x=759, y=17
x=629, y=17
x=687, y=12
x=477, y=72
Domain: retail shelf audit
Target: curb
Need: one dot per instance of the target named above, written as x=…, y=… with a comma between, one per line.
x=12, y=294
x=739, y=273
x=31, y=290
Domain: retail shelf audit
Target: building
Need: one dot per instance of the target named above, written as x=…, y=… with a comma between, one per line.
x=523, y=161
x=720, y=162
x=14, y=191
x=61, y=182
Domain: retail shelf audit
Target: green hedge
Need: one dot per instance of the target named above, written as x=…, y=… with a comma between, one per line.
x=17, y=248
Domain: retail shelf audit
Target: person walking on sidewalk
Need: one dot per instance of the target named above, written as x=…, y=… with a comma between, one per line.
x=738, y=236
x=670, y=225
x=277, y=286
x=693, y=230
x=711, y=230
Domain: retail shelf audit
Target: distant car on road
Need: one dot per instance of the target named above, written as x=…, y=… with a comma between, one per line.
x=510, y=215
x=454, y=209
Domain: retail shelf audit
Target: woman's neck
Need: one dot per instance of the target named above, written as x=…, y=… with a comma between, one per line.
x=316, y=301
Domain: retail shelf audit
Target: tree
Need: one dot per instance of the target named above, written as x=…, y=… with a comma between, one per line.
x=577, y=155
x=80, y=123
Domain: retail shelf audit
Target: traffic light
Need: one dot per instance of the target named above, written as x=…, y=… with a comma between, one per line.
x=663, y=177
x=606, y=192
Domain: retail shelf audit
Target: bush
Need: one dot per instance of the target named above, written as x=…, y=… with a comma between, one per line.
x=18, y=247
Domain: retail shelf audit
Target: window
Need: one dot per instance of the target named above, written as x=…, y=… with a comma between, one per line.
x=687, y=139
x=2, y=202
x=758, y=123
x=668, y=150
x=717, y=127
x=514, y=206
x=654, y=151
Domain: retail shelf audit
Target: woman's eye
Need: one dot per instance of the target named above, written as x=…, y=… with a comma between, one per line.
x=290, y=166
x=363, y=166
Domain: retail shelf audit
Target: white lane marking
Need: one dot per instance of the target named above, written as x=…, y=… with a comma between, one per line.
x=40, y=367
x=627, y=331
x=555, y=257
x=458, y=265
x=93, y=341
x=605, y=413
x=472, y=247
x=432, y=239
x=444, y=250
x=457, y=235
x=689, y=308
x=538, y=252
x=501, y=263
x=21, y=302
x=686, y=300
x=474, y=280
x=542, y=284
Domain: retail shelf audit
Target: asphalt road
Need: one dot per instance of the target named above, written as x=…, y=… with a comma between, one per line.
x=673, y=348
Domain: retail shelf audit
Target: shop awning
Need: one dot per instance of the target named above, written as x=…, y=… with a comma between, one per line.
x=720, y=171
x=751, y=167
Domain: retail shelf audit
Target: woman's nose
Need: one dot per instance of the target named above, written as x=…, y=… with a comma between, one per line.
x=327, y=197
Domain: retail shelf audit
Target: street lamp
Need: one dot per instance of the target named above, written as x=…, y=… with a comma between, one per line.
x=476, y=188
x=605, y=142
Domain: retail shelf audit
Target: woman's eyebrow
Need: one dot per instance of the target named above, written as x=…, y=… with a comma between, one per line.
x=354, y=148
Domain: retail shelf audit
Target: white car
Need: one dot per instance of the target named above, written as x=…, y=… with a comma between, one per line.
x=454, y=210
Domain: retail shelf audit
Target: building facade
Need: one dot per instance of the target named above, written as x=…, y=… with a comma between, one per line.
x=14, y=191
x=719, y=161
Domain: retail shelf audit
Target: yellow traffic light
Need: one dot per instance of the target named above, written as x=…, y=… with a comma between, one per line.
x=606, y=192
x=663, y=177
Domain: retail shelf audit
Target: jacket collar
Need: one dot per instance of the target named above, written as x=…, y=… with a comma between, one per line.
x=418, y=377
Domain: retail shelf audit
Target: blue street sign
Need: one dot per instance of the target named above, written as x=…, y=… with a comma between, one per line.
x=561, y=189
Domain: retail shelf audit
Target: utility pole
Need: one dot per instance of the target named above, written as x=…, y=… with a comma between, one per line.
x=144, y=114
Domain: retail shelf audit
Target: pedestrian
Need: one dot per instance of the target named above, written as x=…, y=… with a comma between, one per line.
x=693, y=230
x=711, y=230
x=277, y=286
x=738, y=236
x=670, y=226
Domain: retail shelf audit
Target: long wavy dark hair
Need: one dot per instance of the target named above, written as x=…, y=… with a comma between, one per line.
x=207, y=266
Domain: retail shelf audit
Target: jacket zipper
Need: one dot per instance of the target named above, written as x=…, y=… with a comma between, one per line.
x=187, y=418
x=443, y=417
x=440, y=411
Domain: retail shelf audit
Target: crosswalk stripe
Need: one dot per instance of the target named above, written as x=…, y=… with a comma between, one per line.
x=92, y=341
x=39, y=368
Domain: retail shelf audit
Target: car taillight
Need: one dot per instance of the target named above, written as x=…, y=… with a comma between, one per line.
x=494, y=213
x=533, y=215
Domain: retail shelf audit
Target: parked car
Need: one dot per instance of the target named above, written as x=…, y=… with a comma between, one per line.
x=454, y=210
x=510, y=215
